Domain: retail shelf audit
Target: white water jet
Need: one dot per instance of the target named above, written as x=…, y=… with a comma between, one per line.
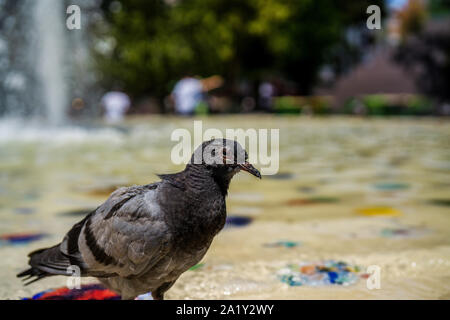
x=48, y=16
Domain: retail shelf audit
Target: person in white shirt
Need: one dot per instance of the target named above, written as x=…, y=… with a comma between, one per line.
x=116, y=104
x=187, y=94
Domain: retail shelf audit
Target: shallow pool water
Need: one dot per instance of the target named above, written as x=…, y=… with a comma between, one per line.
x=363, y=191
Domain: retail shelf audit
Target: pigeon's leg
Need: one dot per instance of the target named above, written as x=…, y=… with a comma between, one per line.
x=158, y=294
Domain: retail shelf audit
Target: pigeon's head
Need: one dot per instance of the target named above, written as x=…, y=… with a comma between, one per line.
x=223, y=157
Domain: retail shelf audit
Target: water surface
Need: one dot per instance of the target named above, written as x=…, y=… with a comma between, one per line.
x=333, y=171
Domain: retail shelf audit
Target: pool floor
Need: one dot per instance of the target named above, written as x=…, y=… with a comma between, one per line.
x=368, y=192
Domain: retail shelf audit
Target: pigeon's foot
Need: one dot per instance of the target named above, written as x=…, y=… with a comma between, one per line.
x=157, y=296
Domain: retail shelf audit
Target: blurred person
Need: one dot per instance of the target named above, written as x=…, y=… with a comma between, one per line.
x=77, y=108
x=266, y=92
x=187, y=95
x=116, y=104
x=248, y=104
x=212, y=83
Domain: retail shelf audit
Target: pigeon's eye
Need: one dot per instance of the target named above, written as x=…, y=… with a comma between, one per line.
x=213, y=152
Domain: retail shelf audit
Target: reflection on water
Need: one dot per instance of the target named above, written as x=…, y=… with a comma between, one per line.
x=340, y=181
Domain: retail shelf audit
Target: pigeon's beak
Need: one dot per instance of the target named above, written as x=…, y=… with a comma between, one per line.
x=250, y=169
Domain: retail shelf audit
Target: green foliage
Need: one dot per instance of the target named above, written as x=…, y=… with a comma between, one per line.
x=202, y=109
x=384, y=105
x=298, y=105
x=287, y=105
x=439, y=8
x=376, y=104
x=419, y=105
x=157, y=42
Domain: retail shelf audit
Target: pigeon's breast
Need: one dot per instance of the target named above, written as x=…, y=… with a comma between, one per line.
x=197, y=227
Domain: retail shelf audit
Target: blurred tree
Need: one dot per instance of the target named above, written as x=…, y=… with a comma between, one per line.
x=133, y=51
x=439, y=8
x=314, y=33
x=17, y=81
x=412, y=18
x=427, y=56
x=425, y=50
x=156, y=42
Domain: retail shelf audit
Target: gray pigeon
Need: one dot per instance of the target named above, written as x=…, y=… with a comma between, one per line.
x=144, y=237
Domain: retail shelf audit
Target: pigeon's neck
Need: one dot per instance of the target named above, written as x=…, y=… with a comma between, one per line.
x=200, y=180
x=199, y=211
x=223, y=181
x=205, y=179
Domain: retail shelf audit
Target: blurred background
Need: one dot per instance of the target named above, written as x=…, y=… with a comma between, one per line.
x=364, y=136
x=314, y=57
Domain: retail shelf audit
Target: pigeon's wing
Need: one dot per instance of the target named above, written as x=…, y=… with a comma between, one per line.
x=125, y=236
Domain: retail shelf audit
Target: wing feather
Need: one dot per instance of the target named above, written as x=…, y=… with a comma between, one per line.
x=124, y=236
x=127, y=234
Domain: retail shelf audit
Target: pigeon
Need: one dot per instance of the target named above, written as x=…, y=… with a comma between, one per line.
x=142, y=238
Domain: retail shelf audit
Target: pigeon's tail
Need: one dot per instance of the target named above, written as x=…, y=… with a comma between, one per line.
x=45, y=263
x=32, y=274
